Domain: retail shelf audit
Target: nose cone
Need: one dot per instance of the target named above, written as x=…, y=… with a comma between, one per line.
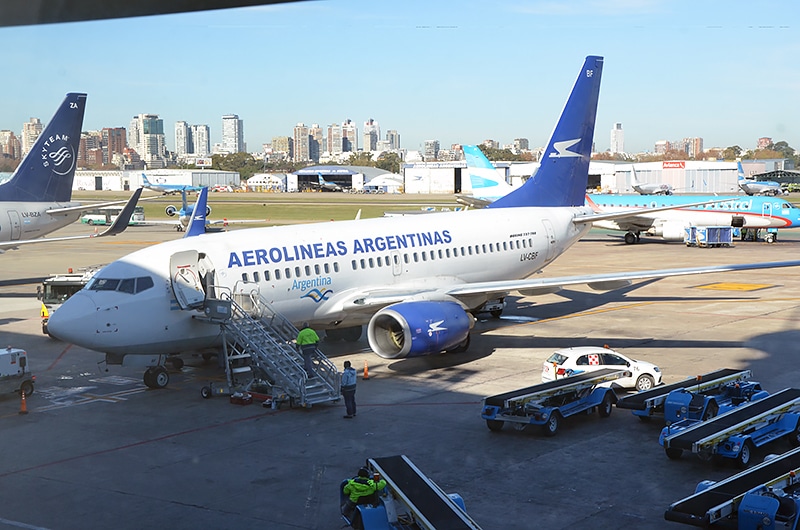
x=74, y=322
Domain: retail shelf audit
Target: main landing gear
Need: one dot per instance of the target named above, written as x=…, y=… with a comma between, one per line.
x=156, y=377
x=631, y=238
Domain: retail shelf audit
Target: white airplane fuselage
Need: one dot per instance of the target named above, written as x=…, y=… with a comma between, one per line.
x=317, y=273
x=29, y=220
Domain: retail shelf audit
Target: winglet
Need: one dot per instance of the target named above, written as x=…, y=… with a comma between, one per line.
x=47, y=171
x=564, y=171
x=121, y=222
x=197, y=225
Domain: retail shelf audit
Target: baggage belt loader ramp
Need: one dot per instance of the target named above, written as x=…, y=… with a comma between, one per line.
x=431, y=507
x=553, y=388
x=655, y=397
x=706, y=434
x=718, y=502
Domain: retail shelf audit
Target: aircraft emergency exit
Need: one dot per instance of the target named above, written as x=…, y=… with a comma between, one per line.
x=414, y=281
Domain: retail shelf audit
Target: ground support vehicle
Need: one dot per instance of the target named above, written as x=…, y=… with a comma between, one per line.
x=766, y=496
x=737, y=433
x=546, y=404
x=709, y=236
x=686, y=404
x=57, y=288
x=652, y=402
x=14, y=373
x=410, y=500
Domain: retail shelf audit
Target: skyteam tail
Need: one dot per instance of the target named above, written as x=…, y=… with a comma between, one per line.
x=47, y=172
x=564, y=171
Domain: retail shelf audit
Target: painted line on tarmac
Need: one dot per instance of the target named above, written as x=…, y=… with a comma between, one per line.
x=55, y=362
x=18, y=524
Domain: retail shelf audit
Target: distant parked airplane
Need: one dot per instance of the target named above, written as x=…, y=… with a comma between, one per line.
x=186, y=211
x=167, y=188
x=487, y=186
x=758, y=187
x=325, y=185
x=644, y=188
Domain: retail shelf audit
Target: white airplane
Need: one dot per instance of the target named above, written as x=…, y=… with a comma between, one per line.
x=325, y=185
x=415, y=280
x=186, y=212
x=167, y=188
x=487, y=186
x=758, y=187
x=36, y=200
x=644, y=188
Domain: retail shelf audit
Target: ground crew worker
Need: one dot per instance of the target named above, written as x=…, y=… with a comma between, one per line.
x=307, y=339
x=361, y=490
x=349, y=389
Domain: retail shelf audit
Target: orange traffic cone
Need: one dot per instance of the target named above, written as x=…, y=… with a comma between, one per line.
x=366, y=370
x=23, y=406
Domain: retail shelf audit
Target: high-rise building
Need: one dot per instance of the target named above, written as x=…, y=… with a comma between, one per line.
x=147, y=138
x=349, y=137
x=183, y=139
x=114, y=140
x=431, y=150
x=521, y=144
x=232, y=134
x=30, y=132
x=334, y=139
x=315, y=147
x=90, y=144
x=10, y=146
x=300, y=143
x=372, y=133
x=283, y=145
x=201, y=140
x=617, y=139
x=393, y=137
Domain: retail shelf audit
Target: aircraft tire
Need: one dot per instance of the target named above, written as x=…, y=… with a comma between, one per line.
x=630, y=238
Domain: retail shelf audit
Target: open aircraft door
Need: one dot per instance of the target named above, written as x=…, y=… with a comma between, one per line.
x=186, y=280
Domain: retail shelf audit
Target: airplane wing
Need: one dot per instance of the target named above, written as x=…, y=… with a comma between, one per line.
x=474, y=202
x=370, y=300
x=637, y=216
x=92, y=206
x=119, y=226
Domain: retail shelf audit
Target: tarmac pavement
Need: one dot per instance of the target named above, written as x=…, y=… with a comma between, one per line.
x=100, y=450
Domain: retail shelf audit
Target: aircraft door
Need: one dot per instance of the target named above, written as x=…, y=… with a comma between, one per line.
x=766, y=209
x=551, y=240
x=186, y=281
x=16, y=226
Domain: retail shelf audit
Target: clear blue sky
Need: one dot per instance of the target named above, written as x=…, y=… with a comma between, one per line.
x=459, y=72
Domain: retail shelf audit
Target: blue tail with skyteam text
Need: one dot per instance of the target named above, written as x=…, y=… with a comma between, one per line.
x=47, y=171
x=563, y=173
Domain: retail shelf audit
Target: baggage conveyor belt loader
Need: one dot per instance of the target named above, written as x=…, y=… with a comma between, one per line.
x=765, y=497
x=547, y=403
x=700, y=397
x=737, y=433
x=410, y=501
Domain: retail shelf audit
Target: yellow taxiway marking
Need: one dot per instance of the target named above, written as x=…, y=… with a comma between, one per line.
x=731, y=286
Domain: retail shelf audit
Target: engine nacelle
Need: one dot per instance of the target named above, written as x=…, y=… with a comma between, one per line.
x=413, y=329
x=208, y=210
x=170, y=210
x=671, y=231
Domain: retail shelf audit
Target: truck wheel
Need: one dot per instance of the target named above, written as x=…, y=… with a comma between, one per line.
x=605, y=407
x=494, y=425
x=745, y=455
x=673, y=453
x=551, y=427
x=205, y=392
x=711, y=410
x=645, y=382
x=26, y=387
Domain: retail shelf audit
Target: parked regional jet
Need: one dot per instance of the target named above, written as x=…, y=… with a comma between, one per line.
x=186, y=211
x=167, y=188
x=670, y=224
x=644, y=188
x=36, y=200
x=413, y=280
x=325, y=185
x=757, y=187
x=487, y=186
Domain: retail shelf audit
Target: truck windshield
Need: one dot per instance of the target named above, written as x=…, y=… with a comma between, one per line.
x=57, y=294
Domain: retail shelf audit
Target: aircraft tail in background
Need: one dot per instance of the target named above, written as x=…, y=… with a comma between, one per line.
x=197, y=223
x=48, y=170
x=563, y=175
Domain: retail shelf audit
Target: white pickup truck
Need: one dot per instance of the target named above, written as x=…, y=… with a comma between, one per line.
x=14, y=373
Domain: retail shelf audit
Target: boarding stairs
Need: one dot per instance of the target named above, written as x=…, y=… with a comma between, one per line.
x=259, y=344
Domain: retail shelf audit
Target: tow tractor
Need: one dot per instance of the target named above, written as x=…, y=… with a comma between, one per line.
x=766, y=496
x=57, y=288
x=738, y=432
x=14, y=373
x=409, y=501
x=547, y=403
x=698, y=398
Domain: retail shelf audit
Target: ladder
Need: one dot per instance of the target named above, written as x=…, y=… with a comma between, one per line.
x=258, y=344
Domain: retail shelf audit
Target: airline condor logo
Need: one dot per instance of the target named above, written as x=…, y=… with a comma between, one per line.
x=57, y=154
x=435, y=327
x=562, y=149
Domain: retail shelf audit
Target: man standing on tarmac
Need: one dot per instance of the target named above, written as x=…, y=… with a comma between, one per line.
x=349, y=389
x=307, y=339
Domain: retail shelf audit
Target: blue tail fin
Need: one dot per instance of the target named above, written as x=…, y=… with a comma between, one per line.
x=482, y=173
x=145, y=182
x=197, y=225
x=47, y=171
x=740, y=170
x=564, y=171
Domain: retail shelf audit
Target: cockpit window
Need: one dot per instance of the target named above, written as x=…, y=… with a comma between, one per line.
x=126, y=285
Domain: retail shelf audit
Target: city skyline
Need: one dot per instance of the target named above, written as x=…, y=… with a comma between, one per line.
x=673, y=70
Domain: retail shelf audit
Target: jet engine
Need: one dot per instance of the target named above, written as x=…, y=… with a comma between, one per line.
x=208, y=210
x=170, y=210
x=413, y=329
x=671, y=231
